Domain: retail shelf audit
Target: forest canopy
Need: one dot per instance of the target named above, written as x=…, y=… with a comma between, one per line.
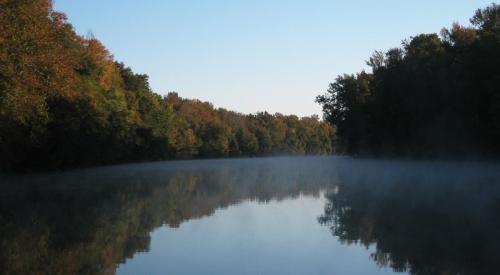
x=65, y=101
x=436, y=96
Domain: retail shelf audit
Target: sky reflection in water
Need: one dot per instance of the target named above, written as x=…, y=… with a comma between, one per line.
x=279, y=237
x=303, y=215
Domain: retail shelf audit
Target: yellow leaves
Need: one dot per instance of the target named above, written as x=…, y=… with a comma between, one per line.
x=32, y=56
x=101, y=57
x=183, y=141
x=62, y=87
x=108, y=75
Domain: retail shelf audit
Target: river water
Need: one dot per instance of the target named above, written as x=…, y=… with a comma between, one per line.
x=281, y=215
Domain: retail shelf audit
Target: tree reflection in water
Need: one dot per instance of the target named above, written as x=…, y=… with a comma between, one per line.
x=90, y=221
x=424, y=218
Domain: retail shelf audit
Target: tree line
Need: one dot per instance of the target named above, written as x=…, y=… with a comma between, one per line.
x=64, y=101
x=436, y=96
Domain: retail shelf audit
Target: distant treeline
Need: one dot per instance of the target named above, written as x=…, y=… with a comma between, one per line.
x=437, y=96
x=64, y=101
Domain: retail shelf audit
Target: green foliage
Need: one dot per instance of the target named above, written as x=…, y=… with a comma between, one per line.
x=434, y=97
x=65, y=102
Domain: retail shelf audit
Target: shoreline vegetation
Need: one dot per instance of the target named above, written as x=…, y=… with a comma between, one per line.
x=65, y=102
x=436, y=97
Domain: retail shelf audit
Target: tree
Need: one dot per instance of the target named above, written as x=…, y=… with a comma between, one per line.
x=434, y=97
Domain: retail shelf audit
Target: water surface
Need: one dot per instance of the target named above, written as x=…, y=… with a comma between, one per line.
x=300, y=215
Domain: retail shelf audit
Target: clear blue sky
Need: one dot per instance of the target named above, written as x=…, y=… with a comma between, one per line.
x=256, y=55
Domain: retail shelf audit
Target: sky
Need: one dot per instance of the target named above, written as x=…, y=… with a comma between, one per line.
x=256, y=55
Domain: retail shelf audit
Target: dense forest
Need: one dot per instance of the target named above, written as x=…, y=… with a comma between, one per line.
x=64, y=101
x=436, y=96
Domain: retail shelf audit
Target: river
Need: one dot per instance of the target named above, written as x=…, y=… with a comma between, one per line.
x=277, y=215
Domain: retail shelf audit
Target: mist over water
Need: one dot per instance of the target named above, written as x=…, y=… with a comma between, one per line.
x=282, y=215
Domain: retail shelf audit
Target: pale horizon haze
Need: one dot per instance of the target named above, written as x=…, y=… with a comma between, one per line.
x=250, y=56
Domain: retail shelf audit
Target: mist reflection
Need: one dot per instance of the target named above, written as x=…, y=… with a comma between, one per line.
x=424, y=218
x=90, y=221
